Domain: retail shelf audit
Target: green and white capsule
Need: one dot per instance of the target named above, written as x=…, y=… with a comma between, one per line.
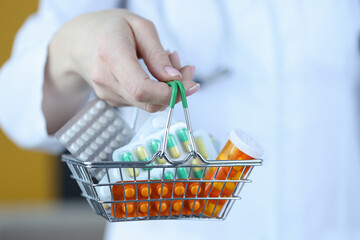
x=201, y=147
x=182, y=134
x=172, y=147
x=168, y=176
x=127, y=157
x=154, y=146
x=142, y=154
x=197, y=171
x=182, y=173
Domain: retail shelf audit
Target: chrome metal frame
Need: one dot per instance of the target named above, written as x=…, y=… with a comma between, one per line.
x=81, y=172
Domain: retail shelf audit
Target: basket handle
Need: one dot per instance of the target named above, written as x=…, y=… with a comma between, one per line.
x=193, y=149
x=175, y=85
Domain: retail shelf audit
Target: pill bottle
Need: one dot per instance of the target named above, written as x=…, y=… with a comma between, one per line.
x=240, y=146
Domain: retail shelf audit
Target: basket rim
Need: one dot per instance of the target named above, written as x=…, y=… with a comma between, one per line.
x=116, y=164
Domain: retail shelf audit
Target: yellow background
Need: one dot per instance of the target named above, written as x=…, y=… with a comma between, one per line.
x=25, y=176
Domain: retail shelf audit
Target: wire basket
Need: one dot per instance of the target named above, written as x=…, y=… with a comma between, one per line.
x=160, y=199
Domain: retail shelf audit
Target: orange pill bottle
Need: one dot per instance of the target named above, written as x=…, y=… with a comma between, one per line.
x=240, y=146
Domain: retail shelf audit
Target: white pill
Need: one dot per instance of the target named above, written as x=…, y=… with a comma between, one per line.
x=70, y=133
x=108, y=149
x=64, y=138
x=83, y=156
x=159, y=122
x=102, y=155
x=79, y=141
x=111, y=129
x=96, y=126
x=97, y=159
x=99, y=140
x=87, y=117
x=74, y=148
x=90, y=132
x=85, y=137
x=81, y=122
x=94, y=111
x=94, y=146
x=89, y=151
x=109, y=113
x=105, y=135
x=103, y=120
x=119, y=138
x=118, y=123
x=75, y=128
x=100, y=104
x=114, y=144
x=125, y=131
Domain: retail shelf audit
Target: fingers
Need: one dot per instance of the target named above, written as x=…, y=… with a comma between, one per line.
x=122, y=81
x=150, y=49
x=128, y=82
x=187, y=72
x=109, y=91
x=116, y=100
x=190, y=86
x=175, y=60
x=139, y=90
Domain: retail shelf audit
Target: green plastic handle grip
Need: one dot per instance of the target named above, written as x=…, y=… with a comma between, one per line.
x=175, y=85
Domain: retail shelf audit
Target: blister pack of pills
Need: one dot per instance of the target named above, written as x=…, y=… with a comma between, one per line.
x=156, y=122
x=177, y=148
x=95, y=132
x=142, y=150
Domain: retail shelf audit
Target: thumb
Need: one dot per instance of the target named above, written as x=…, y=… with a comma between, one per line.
x=150, y=49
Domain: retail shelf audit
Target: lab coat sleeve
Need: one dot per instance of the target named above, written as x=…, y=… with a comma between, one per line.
x=22, y=76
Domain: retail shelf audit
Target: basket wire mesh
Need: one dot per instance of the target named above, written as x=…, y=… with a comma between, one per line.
x=81, y=172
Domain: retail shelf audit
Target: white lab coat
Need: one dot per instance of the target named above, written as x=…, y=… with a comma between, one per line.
x=293, y=88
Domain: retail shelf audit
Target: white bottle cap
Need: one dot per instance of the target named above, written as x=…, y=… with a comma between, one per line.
x=246, y=144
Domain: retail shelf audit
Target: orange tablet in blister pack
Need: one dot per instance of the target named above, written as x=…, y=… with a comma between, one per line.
x=240, y=146
x=121, y=209
x=193, y=189
x=161, y=192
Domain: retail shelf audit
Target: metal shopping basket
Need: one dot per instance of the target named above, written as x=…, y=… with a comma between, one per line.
x=200, y=205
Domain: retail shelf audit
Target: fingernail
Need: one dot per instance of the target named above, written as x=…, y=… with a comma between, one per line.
x=193, y=71
x=193, y=90
x=172, y=71
x=176, y=56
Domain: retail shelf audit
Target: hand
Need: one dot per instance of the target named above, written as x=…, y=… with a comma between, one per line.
x=101, y=50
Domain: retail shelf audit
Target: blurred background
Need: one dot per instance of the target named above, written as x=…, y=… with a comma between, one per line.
x=38, y=200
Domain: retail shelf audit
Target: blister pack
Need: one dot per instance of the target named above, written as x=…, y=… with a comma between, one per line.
x=155, y=122
x=95, y=132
